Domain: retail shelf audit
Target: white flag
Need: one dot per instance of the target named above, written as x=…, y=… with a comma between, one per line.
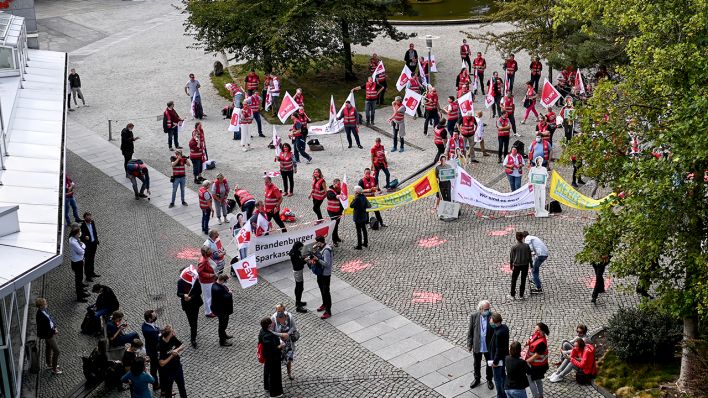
x=235, y=123
x=579, y=85
x=379, y=69
x=423, y=80
x=351, y=100
x=489, y=98
x=276, y=142
x=344, y=193
x=412, y=101
x=403, y=79
x=268, y=100
x=247, y=271
x=433, y=64
x=466, y=104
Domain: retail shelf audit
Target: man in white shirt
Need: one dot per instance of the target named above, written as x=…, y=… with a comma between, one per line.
x=540, y=251
x=479, y=133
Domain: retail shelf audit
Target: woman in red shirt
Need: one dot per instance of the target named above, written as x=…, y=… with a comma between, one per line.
x=287, y=169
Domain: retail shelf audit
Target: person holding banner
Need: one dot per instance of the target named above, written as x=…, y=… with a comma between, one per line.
x=207, y=277
x=445, y=186
x=273, y=198
x=370, y=187
x=380, y=77
x=318, y=193
x=373, y=91
x=503, y=128
x=479, y=64
x=464, y=90
x=378, y=161
x=287, y=169
x=398, y=122
x=190, y=296
x=350, y=117
x=335, y=209
x=514, y=167
x=431, y=101
x=465, y=54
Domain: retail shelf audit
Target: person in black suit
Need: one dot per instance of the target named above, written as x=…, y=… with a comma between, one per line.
x=191, y=298
x=106, y=302
x=127, y=146
x=222, y=305
x=151, y=335
x=89, y=235
x=499, y=351
x=47, y=330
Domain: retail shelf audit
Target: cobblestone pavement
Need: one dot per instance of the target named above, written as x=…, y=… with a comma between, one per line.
x=129, y=73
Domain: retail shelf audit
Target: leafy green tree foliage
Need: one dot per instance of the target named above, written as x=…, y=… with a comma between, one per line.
x=658, y=231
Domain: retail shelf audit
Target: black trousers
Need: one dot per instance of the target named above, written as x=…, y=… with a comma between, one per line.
x=223, y=324
x=89, y=259
x=478, y=365
x=126, y=158
x=599, y=280
x=503, y=147
x=352, y=130
x=154, y=368
x=299, y=288
x=383, y=84
x=317, y=208
x=441, y=150
x=323, y=284
x=273, y=377
x=534, y=80
x=361, y=231
x=192, y=319
x=335, y=233
x=496, y=107
x=377, y=214
x=524, y=271
x=468, y=62
x=273, y=215
x=288, y=180
x=78, y=268
x=430, y=116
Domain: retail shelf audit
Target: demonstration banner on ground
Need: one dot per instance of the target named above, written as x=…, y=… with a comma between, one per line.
x=333, y=126
x=274, y=248
x=246, y=271
x=419, y=189
x=470, y=191
x=567, y=195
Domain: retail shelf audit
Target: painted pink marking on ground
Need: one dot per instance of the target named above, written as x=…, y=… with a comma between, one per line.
x=426, y=297
x=355, y=266
x=590, y=282
x=431, y=242
x=505, y=268
x=503, y=232
x=189, y=253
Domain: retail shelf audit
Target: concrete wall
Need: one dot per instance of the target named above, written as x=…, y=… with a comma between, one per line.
x=25, y=8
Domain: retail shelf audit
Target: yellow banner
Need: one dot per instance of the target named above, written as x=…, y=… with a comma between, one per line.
x=567, y=195
x=420, y=188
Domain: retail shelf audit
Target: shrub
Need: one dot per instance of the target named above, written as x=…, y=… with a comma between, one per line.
x=643, y=334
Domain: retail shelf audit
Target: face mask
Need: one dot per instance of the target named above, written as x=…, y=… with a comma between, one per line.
x=280, y=315
x=538, y=139
x=493, y=325
x=487, y=313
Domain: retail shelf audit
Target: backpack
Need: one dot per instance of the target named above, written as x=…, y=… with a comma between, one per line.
x=230, y=205
x=134, y=167
x=91, y=325
x=259, y=352
x=374, y=223
x=554, y=207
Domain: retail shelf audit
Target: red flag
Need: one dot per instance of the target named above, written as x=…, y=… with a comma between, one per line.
x=403, y=79
x=489, y=98
x=549, y=94
x=189, y=274
x=579, y=85
x=287, y=108
x=379, y=69
x=411, y=101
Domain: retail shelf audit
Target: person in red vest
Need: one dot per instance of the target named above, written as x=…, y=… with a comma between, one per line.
x=530, y=102
x=267, y=79
x=298, y=133
x=287, y=169
x=205, y=204
x=468, y=128
x=503, y=128
x=244, y=200
x=510, y=66
x=246, y=121
x=256, y=112
x=540, y=147
x=170, y=121
x=196, y=152
x=465, y=54
x=137, y=170
x=463, y=78
x=378, y=161
x=455, y=146
x=536, y=68
x=273, y=198
x=252, y=82
x=439, y=138
x=497, y=91
x=542, y=129
x=415, y=86
x=432, y=103
x=179, y=175
x=350, y=117
x=551, y=120
x=537, y=358
x=369, y=188
x=398, y=123
x=462, y=91
x=299, y=98
x=479, y=64
x=275, y=92
x=452, y=110
x=207, y=277
x=514, y=168
x=373, y=90
x=508, y=106
x=335, y=209
x=380, y=77
x=318, y=193
x=220, y=192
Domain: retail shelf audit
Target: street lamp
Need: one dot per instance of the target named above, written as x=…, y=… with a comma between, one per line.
x=429, y=45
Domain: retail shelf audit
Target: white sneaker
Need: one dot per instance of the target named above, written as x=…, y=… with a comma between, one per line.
x=554, y=378
x=510, y=297
x=219, y=221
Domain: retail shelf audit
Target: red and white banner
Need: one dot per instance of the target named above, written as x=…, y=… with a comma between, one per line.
x=189, y=274
x=379, y=69
x=433, y=64
x=579, y=84
x=268, y=101
x=247, y=272
x=423, y=80
x=276, y=142
x=235, y=123
x=351, y=100
x=412, y=101
x=475, y=82
x=506, y=85
x=466, y=104
x=344, y=193
x=489, y=98
x=287, y=107
x=273, y=248
x=470, y=191
x=549, y=94
x=403, y=79
x=243, y=237
x=333, y=125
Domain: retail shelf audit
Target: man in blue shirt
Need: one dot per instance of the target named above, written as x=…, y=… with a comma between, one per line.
x=540, y=251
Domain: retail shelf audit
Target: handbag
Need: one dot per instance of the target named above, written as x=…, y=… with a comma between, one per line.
x=527, y=103
x=172, y=178
x=295, y=336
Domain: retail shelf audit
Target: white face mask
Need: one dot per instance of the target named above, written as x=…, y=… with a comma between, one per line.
x=538, y=139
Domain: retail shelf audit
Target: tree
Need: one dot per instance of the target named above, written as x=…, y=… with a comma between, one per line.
x=660, y=222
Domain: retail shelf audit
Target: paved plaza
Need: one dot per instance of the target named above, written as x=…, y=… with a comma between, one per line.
x=401, y=308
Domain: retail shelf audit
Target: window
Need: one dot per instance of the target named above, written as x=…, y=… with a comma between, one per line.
x=7, y=58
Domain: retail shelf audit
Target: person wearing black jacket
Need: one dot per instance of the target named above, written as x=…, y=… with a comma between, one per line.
x=191, y=298
x=411, y=57
x=222, y=305
x=499, y=350
x=106, y=302
x=520, y=260
x=516, y=370
x=360, y=204
x=271, y=346
x=89, y=235
x=75, y=85
x=127, y=145
x=298, y=261
x=151, y=335
x=47, y=330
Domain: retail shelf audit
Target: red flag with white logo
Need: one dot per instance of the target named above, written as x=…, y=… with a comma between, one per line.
x=189, y=274
x=403, y=79
x=287, y=107
x=412, y=101
x=344, y=194
x=549, y=94
x=379, y=69
x=466, y=104
x=268, y=100
x=247, y=271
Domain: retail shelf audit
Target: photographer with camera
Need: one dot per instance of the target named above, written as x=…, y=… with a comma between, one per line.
x=178, y=162
x=319, y=260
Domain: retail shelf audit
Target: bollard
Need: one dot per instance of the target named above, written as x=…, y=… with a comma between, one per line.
x=110, y=130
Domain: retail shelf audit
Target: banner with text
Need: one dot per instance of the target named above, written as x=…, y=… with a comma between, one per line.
x=419, y=189
x=566, y=194
x=470, y=191
x=272, y=249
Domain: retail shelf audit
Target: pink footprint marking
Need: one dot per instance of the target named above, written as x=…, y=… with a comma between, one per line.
x=355, y=266
x=189, y=253
x=426, y=297
x=505, y=268
x=431, y=242
x=590, y=282
x=503, y=232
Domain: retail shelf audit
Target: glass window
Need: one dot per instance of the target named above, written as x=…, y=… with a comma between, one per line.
x=7, y=58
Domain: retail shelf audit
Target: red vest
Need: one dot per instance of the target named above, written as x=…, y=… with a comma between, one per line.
x=454, y=145
x=508, y=105
x=479, y=64
x=333, y=205
x=511, y=67
x=415, y=85
x=243, y=196
x=462, y=92
x=255, y=103
x=252, y=82
x=371, y=93
x=286, y=161
x=381, y=77
x=546, y=152
x=302, y=119
x=204, y=203
x=510, y=163
x=219, y=186
x=379, y=155
x=431, y=101
x=319, y=189
x=534, y=341
x=195, y=150
x=464, y=50
x=464, y=79
x=502, y=123
x=299, y=99
x=350, y=116
x=246, y=115
x=397, y=116
x=454, y=111
x=368, y=183
x=536, y=68
x=178, y=171
x=438, y=138
x=469, y=126
x=272, y=196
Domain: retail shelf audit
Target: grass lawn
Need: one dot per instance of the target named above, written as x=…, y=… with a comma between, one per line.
x=635, y=380
x=318, y=87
